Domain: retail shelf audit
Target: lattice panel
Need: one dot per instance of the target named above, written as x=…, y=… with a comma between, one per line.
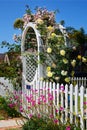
x=31, y=66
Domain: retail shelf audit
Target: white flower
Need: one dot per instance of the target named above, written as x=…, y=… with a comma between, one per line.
x=67, y=79
x=48, y=68
x=63, y=72
x=84, y=59
x=53, y=35
x=57, y=78
x=62, y=52
x=41, y=78
x=49, y=50
x=49, y=74
x=73, y=63
x=50, y=28
x=39, y=21
x=65, y=61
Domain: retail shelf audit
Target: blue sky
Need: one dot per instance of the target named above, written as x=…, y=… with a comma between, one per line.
x=73, y=12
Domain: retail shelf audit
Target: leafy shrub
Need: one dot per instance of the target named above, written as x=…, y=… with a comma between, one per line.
x=10, y=111
x=42, y=123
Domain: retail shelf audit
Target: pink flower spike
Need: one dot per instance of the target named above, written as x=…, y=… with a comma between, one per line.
x=55, y=121
x=85, y=103
x=56, y=110
x=33, y=103
x=44, y=100
x=30, y=115
x=39, y=115
x=61, y=108
x=48, y=89
x=39, y=102
x=29, y=107
x=21, y=109
x=51, y=116
x=62, y=88
x=68, y=128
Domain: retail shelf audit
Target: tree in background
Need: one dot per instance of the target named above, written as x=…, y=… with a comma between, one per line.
x=12, y=71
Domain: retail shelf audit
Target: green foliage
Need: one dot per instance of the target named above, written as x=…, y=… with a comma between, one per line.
x=28, y=10
x=12, y=71
x=10, y=111
x=18, y=23
x=11, y=47
x=42, y=123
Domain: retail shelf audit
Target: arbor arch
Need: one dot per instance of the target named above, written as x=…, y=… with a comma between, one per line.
x=29, y=54
x=31, y=46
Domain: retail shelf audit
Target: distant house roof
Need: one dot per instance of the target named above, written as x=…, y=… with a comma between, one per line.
x=2, y=56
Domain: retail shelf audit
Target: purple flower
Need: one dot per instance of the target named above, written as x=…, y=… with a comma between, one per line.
x=55, y=121
x=50, y=96
x=56, y=110
x=51, y=116
x=30, y=115
x=85, y=103
x=61, y=108
x=21, y=109
x=11, y=105
x=62, y=88
x=68, y=128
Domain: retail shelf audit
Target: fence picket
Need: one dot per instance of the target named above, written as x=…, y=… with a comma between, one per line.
x=81, y=106
x=46, y=95
x=71, y=103
x=54, y=101
x=57, y=95
x=62, y=101
x=76, y=103
x=66, y=102
x=86, y=108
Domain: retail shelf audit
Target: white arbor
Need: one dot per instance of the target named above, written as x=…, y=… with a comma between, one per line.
x=31, y=46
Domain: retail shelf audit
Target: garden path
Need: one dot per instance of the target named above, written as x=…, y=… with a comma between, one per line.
x=11, y=123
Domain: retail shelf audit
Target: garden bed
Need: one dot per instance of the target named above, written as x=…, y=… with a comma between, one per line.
x=6, y=112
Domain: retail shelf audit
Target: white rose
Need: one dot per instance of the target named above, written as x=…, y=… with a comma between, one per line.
x=49, y=50
x=63, y=72
x=62, y=52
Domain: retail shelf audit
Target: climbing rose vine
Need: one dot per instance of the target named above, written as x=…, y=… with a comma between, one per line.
x=56, y=54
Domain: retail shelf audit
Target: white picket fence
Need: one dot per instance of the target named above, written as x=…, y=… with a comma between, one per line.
x=81, y=81
x=71, y=99
x=5, y=85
